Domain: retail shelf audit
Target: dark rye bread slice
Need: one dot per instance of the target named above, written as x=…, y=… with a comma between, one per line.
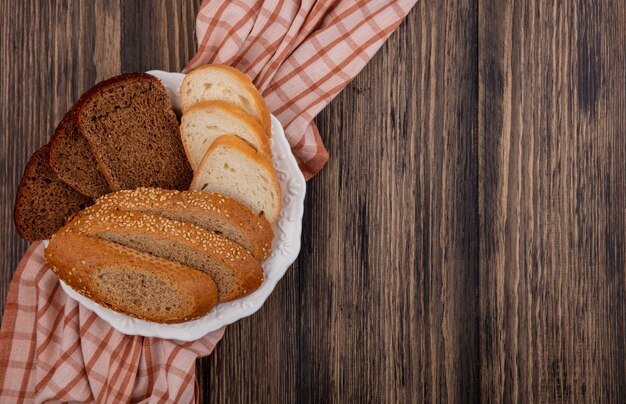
x=43, y=202
x=233, y=268
x=73, y=161
x=131, y=282
x=210, y=211
x=133, y=133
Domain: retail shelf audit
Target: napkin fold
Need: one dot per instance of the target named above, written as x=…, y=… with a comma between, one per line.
x=300, y=55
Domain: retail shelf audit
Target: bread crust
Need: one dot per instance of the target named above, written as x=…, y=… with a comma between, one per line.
x=99, y=88
x=77, y=259
x=169, y=202
x=237, y=113
x=259, y=101
x=235, y=142
x=105, y=84
x=248, y=272
x=37, y=167
x=102, y=187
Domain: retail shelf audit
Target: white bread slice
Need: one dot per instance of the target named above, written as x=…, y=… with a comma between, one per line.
x=205, y=121
x=214, y=212
x=225, y=83
x=129, y=281
x=231, y=167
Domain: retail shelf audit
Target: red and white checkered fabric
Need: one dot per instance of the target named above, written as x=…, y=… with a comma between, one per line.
x=54, y=350
x=300, y=55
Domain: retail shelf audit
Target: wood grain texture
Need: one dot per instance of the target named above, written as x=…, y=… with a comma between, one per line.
x=381, y=304
x=465, y=241
x=552, y=201
x=41, y=75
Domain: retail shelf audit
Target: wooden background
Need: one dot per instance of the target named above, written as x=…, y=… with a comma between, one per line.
x=465, y=242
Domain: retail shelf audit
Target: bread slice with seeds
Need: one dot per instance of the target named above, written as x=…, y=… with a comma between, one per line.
x=224, y=83
x=234, y=269
x=133, y=133
x=207, y=120
x=210, y=211
x=231, y=167
x=43, y=202
x=130, y=282
x=73, y=161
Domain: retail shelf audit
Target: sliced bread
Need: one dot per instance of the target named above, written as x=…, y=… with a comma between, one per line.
x=225, y=83
x=44, y=202
x=233, y=268
x=133, y=133
x=231, y=167
x=207, y=120
x=218, y=213
x=73, y=162
x=131, y=282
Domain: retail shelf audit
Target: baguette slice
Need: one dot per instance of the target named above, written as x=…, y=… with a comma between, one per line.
x=205, y=121
x=225, y=83
x=231, y=167
x=73, y=161
x=233, y=269
x=44, y=202
x=210, y=211
x=133, y=132
x=129, y=281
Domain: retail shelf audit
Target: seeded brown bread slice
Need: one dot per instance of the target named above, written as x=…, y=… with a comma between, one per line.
x=130, y=282
x=73, y=161
x=233, y=268
x=133, y=133
x=225, y=83
x=215, y=212
x=44, y=202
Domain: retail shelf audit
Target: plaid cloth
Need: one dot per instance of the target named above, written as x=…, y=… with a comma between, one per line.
x=53, y=349
x=300, y=54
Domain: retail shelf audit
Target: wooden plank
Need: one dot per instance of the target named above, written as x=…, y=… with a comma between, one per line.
x=552, y=201
x=107, y=56
x=49, y=57
x=382, y=302
x=157, y=35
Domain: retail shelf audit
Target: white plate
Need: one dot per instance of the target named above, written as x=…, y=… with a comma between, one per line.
x=285, y=247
